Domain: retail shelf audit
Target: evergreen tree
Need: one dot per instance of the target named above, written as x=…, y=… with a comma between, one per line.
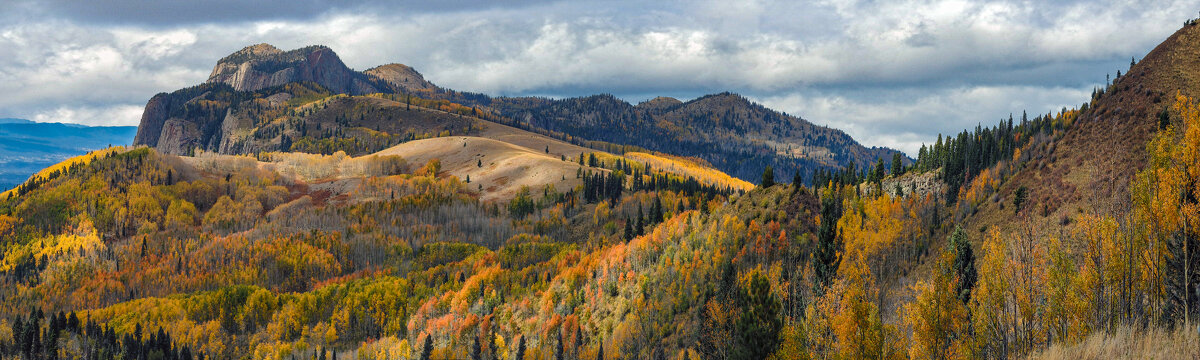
x=641, y=223
x=476, y=350
x=558, y=348
x=828, y=246
x=427, y=348
x=758, y=323
x=628, y=230
x=964, y=264
x=768, y=177
x=656, y=211
x=897, y=164
x=1019, y=198
x=520, y=355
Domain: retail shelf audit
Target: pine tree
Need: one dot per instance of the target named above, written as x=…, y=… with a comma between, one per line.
x=656, y=211
x=1019, y=198
x=641, y=223
x=826, y=253
x=558, y=348
x=768, y=177
x=628, y=230
x=964, y=264
x=476, y=350
x=427, y=348
x=897, y=165
x=520, y=355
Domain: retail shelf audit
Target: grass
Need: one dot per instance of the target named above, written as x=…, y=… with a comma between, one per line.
x=1128, y=343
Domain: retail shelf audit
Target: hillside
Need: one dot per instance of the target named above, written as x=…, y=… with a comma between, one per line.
x=26, y=146
x=497, y=168
x=294, y=208
x=1088, y=167
x=727, y=130
x=257, y=99
x=148, y=234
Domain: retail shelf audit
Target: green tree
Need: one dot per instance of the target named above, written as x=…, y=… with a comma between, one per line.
x=897, y=164
x=768, y=177
x=825, y=256
x=558, y=347
x=476, y=351
x=427, y=348
x=759, y=323
x=520, y=355
x=964, y=264
x=522, y=205
x=1019, y=198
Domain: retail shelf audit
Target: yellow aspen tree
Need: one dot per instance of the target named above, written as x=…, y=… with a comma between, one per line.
x=990, y=314
x=1065, y=311
x=937, y=317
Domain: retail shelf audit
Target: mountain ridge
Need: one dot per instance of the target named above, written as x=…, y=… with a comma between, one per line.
x=187, y=118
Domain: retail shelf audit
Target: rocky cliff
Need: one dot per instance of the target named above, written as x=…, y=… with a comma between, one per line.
x=263, y=66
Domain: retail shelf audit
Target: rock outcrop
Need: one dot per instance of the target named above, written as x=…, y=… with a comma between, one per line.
x=153, y=119
x=400, y=76
x=205, y=116
x=262, y=66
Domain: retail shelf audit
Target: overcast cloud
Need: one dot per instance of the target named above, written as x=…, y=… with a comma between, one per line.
x=891, y=73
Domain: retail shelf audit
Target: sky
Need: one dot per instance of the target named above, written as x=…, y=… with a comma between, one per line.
x=889, y=73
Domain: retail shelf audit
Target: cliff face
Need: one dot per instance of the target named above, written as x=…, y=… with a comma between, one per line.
x=262, y=66
x=208, y=117
x=153, y=119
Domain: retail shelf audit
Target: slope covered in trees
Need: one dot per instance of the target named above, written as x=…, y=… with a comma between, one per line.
x=737, y=136
x=139, y=253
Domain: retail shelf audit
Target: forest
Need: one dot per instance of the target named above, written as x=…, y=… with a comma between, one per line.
x=294, y=239
x=169, y=257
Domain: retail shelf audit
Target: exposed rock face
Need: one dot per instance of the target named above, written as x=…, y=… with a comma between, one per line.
x=262, y=66
x=153, y=119
x=401, y=76
x=206, y=116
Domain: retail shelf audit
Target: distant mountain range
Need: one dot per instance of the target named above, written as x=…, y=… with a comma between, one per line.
x=27, y=146
x=237, y=111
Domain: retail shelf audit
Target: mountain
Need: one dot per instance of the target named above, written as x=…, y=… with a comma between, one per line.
x=727, y=130
x=239, y=110
x=27, y=146
x=263, y=66
x=294, y=221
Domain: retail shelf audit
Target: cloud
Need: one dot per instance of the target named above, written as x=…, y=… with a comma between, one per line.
x=916, y=116
x=116, y=115
x=891, y=73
